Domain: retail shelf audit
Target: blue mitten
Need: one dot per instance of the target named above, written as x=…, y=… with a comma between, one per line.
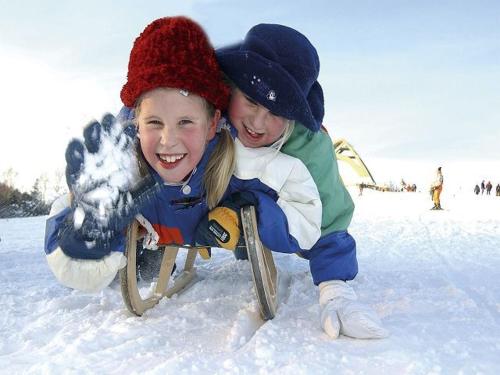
x=103, y=176
x=240, y=199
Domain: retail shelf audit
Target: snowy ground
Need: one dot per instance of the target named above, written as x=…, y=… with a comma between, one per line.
x=433, y=277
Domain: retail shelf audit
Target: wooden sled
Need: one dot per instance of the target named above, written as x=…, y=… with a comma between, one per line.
x=261, y=263
x=137, y=304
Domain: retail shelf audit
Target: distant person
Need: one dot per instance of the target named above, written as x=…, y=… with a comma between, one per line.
x=498, y=190
x=361, y=187
x=482, y=187
x=476, y=189
x=489, y=186
x=436, y=189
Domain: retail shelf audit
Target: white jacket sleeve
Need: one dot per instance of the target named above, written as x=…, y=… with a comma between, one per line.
x=87, y=275
x=288, y=176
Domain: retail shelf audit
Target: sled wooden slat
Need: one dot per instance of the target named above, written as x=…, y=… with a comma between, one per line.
x=134, y=302
x=182, y=280
x=167, y=264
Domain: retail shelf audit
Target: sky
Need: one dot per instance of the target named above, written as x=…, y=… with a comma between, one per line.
x=404, y=81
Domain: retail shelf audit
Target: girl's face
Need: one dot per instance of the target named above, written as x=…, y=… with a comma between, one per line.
x=174, y=130
x=256, y=126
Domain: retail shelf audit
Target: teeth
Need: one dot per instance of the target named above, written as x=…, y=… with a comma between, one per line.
x=171, y=158
x=251, y=131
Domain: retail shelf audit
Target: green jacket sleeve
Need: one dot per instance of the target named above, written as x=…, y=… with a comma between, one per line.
x=316, y=152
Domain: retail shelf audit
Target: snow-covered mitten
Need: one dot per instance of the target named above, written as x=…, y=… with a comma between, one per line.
x=341, y=312
x=222, y=226
x=107, y=189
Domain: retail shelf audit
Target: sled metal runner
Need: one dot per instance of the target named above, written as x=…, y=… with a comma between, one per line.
x=264, y=272
x=261, y=263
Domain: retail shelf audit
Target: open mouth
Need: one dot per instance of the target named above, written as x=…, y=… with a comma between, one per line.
x=253, y=134
x=171, y=160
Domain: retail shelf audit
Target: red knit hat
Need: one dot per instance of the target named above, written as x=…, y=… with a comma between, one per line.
x=174, y=52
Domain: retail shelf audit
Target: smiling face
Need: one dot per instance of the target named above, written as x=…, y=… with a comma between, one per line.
x=256, y=126
x=174, y=130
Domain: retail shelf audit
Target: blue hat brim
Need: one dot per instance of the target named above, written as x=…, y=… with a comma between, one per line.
x=259, y=78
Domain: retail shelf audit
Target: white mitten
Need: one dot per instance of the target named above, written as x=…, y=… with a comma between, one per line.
x=341, y=312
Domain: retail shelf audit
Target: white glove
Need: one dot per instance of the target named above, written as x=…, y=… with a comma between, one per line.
x=342, y=313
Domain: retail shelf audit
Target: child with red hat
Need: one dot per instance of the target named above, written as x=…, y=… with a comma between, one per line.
x=277, y=104
x=166, y=166
x=164, y=161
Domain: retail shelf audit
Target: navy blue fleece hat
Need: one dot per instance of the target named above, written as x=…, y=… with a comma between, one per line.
x=277, y=67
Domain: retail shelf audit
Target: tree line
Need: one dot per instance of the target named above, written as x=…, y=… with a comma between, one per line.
x=15, y=203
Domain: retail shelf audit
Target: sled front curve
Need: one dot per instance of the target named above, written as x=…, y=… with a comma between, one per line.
x=135, y=303
x=262, y=265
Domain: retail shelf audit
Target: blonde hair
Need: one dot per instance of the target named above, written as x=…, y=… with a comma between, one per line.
x=220, y=165
x=289, y=126
x=219, y=169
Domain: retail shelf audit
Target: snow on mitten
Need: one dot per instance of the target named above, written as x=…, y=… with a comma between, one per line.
x=103, y=176
x=341, y=312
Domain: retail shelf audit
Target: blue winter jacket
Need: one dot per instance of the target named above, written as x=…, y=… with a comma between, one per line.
x=174, y=215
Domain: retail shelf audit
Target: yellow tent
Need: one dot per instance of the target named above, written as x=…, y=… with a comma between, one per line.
x=346, y=154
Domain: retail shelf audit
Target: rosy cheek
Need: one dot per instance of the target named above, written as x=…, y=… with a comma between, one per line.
x=147, y=147
x=236, y=109
x=232, y=114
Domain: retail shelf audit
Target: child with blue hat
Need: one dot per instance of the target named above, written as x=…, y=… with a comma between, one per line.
x=278, y=103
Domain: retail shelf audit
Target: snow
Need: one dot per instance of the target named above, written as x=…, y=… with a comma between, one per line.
x=107, y=172
x=432, y=276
